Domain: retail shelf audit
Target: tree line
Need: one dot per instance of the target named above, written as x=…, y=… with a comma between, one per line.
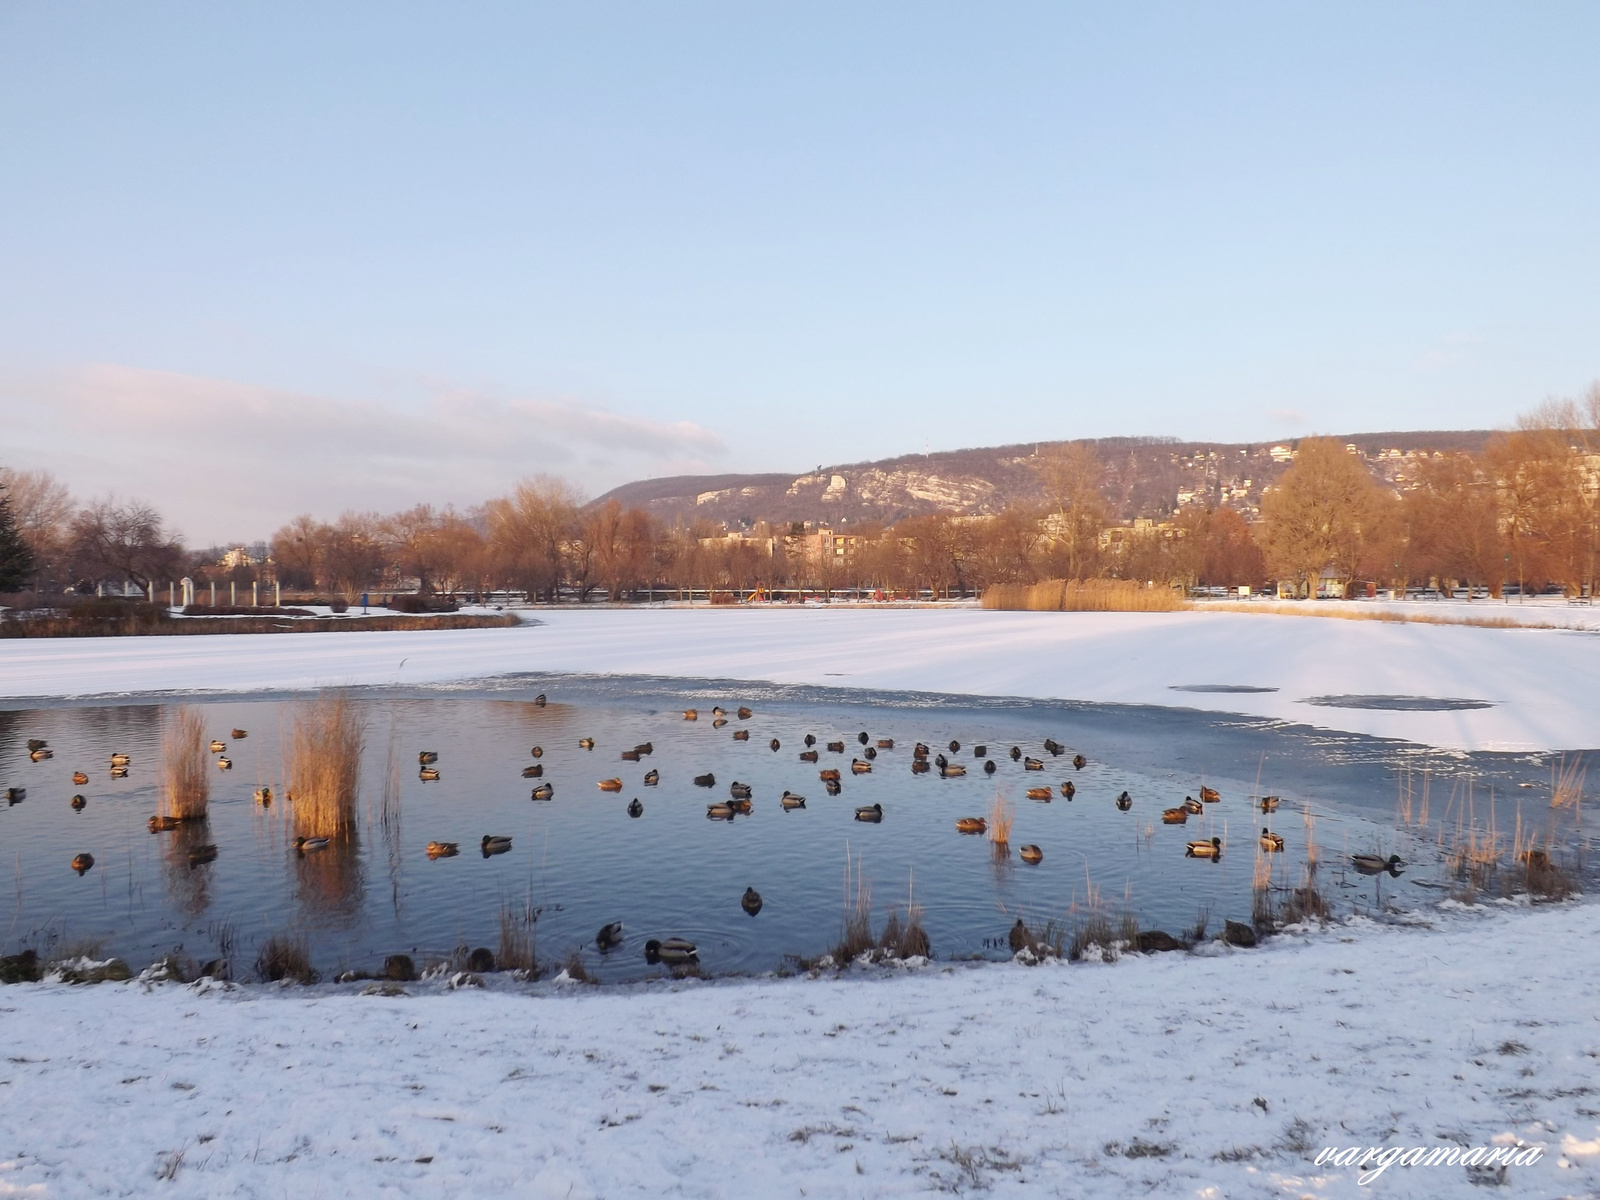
x=1524, y=511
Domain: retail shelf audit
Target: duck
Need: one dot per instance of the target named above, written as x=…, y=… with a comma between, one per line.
x=691, y=714
x=494, y=845
x=645, y=749
x=971, y=825
x=609, y=937
x=535, y=771
x=872, y=813
x=920, y=750
x=1371, y=864
x=611, y=785
x=1271, y=842
x=538, y=751
x=424, y=757
x=201, y=855
x=428, y=774
x=119, y=772
x=919, y=766
x=79, y=778
x=310, y=845
x=79, y=803
x=545, y=791
x=1053, y=747
x=750, y=901
x=262, y=796
x=217, y=747
x=832, y=786
x=706, y=780
x=952, y=770
x=1209, y=795
x=719, y=711
x=885, y=743
x=810, y=740
x=1174, y=816
x=720, y=812
x=443, y=849
x=1032, y=764
x=954, y=746
x=988, y=766
x=1068, y=789
x=774, y=745
x=870, y=752
x=1040, y=793
x=41, y=755
x=635, y=808
x=1211, y=849
x=1079, y=762
x=745, y=714
x=1269, y=804
x=585, y=743
x=630, y=756
x=652, y=777
x=739, y=791
x=940, y=761
x=719, y=722
x=120, y=760
x=161, y=824
x=1124, y=802
x=790, y=800
x=836, y=747
x=858, y=767
x=224, y=764
x=808, y=756
x=239, y=735
x=1015, y=752
x=1020, y=939
x=36, y=744
x=980, y=752
x=828, y=775
x=1192, y=806
x=1031, y=854
x=862, y=737
x=741, y=735
x=539, y=700
x=82, y=862
x=673, y=952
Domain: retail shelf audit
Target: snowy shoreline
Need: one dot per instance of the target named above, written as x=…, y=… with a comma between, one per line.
x=1219, y=1073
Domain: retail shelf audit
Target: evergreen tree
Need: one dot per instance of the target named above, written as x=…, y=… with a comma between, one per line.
x=16, y=559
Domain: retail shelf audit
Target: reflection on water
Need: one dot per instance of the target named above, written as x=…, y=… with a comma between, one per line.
x=580, y=861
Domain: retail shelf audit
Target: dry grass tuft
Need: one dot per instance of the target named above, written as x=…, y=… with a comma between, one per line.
x=186, y=781
x=1310, y=608
x=575, y=969
x=1084, y=595
x=516, y=949
x=1001, y=815
x=324, y=768
x=285, y=957
x=855, y=934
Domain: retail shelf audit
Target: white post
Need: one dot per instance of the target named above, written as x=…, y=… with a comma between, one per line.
x=171, y=599
x=150, y=589
x=233, y=593
x=255, y=593
x=277, y=594
x=213, y=593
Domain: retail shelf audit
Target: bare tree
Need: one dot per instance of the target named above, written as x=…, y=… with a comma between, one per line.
x=122, y=540
x=530, y=531
x=1072, y=475
x=1325, y=513
x=42, y=509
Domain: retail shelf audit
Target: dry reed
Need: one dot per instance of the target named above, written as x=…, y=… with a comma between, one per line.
x=855, y=933
x=1312, y=608
x=1084, y=595
x=285, y=957
x=1001, y=814
x=324, y=767
x=186, y=782
x=516, y=949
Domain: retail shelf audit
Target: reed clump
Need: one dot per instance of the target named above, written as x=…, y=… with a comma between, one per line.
x=902, y=936
x=1084, y=595
x=1099, y=938
x=185, y=782
x=324, y=768
x=285, y=957
x=516, y=949
x=1001, y=815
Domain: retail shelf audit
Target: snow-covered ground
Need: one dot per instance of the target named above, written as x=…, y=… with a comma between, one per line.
x=1206, y=1075
x=1539, y=682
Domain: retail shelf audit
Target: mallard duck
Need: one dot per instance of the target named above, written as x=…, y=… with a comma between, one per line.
x=740, y=806
x=871, y=813
x=1053, y=747
x=1174, y=816
x=1068, y=789
x=610, y=936
x=790, y=800
x=224, y=764
x=745, y=714
x=828, y=774
x=310, y=845
x=741, y=735
x=119, y=772
x=1371, y=864
x=1020, y=938
x=428, y=774
x=15, y=795
x=41, y=755
x=239, y=734
x=161, y=824
x=940, y=761
x=494, y=845
x=79, y=803
x=585, y=743
x=262, y=796
x=719, y=722
x=706, y=780
x=120, y=760
x=810, y=740
x=832, y=786
x=691, y=714
x=1079, y=762
x=971, y=825
x=630, y=756
x=836, y=747
x=1211, y=849
x=424, y=757
x=858, y=767
x=673, y=952
x=775, y=745
x=719, y=711
x=36, y=744
x=720, y=812
x=200, y=855
x=1032, y=854
x=611, y=785
x=536, y=771
x=645, y=748
x=739, y=791
x=1192, y=806
x=1015, y=752
x=870, y=753
x=980, y=752
x=652, y=777
x=538, y=751
x=1032, y=764
x=750, y=901
x=545, y=791
x=539, y=700
x=919, y=766
x=79, y=778
x=954, y=746
x=443, y=849
x=1209, y=795
x=920, y=750
x=885, y=743
x=635, y=809
x=82, y=862
x=1271, y=842
x=1039, y=793
x=988, y=766
x=1124, y=802
x=808, y=756
x=1269, y=804
x=217, y=747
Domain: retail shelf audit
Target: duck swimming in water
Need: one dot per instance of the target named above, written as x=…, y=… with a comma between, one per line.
x=425, y=757
x=585, y=743
x=1209, y=795
x=81, y=863
x=78, y=803
x=1032, y=764
x=218, y=747
x=1043, y=793
x=1271, y=842
x=988, y=766
x=224, y=764
x=79, y=778
x=538, y=751
x=811, y=740
x=858, y=767
x=808, y=756
x=310, y=845
x=951, y=770
x=790, y=800
x=971, y=825
x=544, y=791
x=741, y=735
x=610, y=785
x=675, y=951
x=919, y=766
x=1079, y=762
x=836, y=747
x=739, y=791
x=691, y=714
x=1371, y=864
x=428, y=774
x=635, y=809
x=443, y=849
x=829, y=775
x=1124, y=802
x=1192, y=806
x=1211, y=849
x=1032, y=854
x=885, y=743
x=1068, y=789
x=750, y=901
x=920, y=750
x=775, y=745
x=536, y=771
x=630, y=756
x=872, y=813
x=720, y=812
x=745, y=714
x=1015, y=752
x=263, y=796
x=539, y=700
x=706, y=780
x=1269, y=804
x=652, y=777
x=494, y=845
x=200, y=855
x=1174, y=816
x=609, y=937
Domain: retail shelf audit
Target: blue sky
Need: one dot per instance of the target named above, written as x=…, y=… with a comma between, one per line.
x=388, y=253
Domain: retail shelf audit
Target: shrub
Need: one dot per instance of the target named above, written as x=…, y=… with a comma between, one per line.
x=186, y=781
x=324, y=768
x=1084, y=595
x=285, y=957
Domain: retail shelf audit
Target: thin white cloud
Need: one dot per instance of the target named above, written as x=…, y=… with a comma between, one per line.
x=227, y=460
